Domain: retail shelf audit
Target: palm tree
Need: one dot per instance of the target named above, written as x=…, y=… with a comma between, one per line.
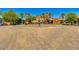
x=1, y=12
x=28, y=17
x=1, y=20
x=50, y=15
x=46, y=17
x=22, y=16
x=62, y=17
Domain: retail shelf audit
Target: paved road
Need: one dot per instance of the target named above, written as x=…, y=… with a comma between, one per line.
x=35, y=38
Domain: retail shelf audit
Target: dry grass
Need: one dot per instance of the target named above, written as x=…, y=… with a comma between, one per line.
x=36, y=38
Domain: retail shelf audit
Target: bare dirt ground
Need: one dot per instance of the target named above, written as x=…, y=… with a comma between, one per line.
x=32, y=37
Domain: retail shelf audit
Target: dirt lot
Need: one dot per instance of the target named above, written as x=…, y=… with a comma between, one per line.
x=32, y=37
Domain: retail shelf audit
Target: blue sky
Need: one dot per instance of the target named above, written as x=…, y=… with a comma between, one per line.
x=37, y=11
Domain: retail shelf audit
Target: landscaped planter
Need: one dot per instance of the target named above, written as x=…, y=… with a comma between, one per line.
x=56, y=21
x=7, y=23
x=26, y=23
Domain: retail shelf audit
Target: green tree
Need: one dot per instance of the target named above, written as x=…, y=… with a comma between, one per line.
x=10, y=16
x=30, y=18
x=71, y=17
